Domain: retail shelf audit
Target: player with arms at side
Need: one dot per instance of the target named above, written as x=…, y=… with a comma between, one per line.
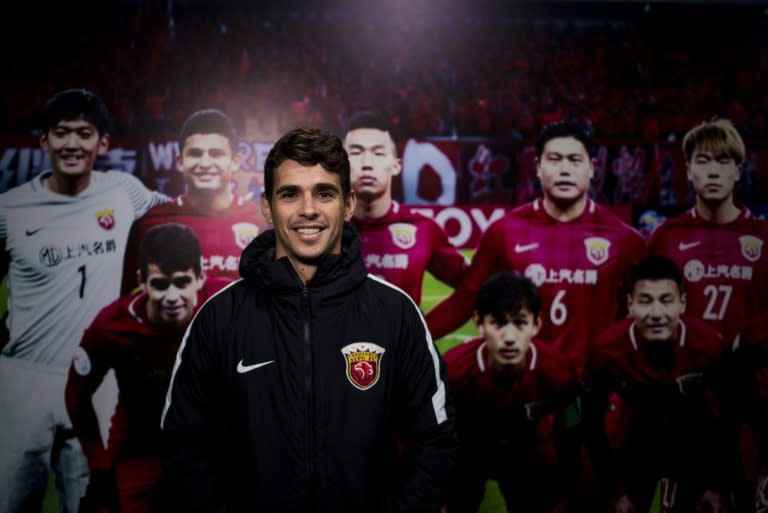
x=138, y=336
x=513, y=395
x=63, y=234
x=577, y=252
x=720, y=248
x=668, y=368
x=224, y=223
x=397, y=244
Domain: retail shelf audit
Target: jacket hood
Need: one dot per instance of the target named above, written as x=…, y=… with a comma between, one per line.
x=259, y=267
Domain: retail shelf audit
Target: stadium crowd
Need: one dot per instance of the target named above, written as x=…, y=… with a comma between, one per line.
x=634, y=73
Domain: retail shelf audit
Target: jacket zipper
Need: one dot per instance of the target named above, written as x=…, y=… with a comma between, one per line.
x=308, y=417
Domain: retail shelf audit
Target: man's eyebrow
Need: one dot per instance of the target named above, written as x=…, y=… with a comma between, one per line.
x=362, y=146
x=287, y=188
x=327, y=186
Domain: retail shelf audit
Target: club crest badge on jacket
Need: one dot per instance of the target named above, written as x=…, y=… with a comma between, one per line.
x=363, y=361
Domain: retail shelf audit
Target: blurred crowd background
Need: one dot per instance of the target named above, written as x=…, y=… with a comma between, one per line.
x=634, y=70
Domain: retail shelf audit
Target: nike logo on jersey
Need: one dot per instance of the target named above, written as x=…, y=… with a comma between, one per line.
x=522, y=248
x=688, y=245
x=32, y=232
x=242, y=369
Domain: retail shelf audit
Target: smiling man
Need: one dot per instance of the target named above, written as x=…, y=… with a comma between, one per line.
x=294, y=385
x=62, y=239
x=577, y=252
x=225, y=223
x=137, y=336
x=512, y=395
x=665, y=366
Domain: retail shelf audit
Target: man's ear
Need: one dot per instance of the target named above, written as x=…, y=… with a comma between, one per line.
x=478, y=323
x=266, y=211
x=103, y=144
x=349, y=209
x=398, y=167
x=140, y=280
x=537, y=323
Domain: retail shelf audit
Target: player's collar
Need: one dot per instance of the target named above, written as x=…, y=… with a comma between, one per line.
x=135, y=307
x=590, y=207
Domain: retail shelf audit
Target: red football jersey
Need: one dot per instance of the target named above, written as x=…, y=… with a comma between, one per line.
x=142, y=357
x=223, y=235
x=673, y=418
x=581, y=268
x=403, y=244
x=514, y=432
x=724, y=266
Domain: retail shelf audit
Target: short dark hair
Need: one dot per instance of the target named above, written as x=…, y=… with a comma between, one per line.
x=578, y=131
x=172, y=247
x=72, y=104
x=209, y=121
x=308, y=147
x=657, y=267
x=368, y=119
x=507, y=293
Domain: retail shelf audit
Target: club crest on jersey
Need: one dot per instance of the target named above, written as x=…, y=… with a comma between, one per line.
x=403, y=235
x=751, y=247
x=106, y=218
x=81, y=363
x=244, y=233
x=597, y=249
x=363, y=361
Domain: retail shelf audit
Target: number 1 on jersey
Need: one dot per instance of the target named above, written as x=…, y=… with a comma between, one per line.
x=81, y=270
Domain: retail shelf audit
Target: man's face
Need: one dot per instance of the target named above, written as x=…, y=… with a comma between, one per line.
x=656, y=306
x=372, y=161
x=73, y=146
x=508, y=343
x=565, y=169
x=307, y=211
x=713, y=178
x=172, y=297
x=207, y=162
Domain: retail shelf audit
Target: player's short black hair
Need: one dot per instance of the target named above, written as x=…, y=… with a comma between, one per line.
x=308, y=147
x=368, y=119
x=657, y=267
x=172, y=247
x=506, y=293
x=577, y=130
x=72, y=104
x=209, y=121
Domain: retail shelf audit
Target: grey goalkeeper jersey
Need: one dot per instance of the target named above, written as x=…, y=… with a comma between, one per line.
x=66, y=257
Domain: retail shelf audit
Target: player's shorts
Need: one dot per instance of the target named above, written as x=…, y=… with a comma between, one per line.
x=37, y=435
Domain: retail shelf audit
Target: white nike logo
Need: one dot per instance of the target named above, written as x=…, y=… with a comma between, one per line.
x=242, y=369
x=525, y=247
x=688, y=245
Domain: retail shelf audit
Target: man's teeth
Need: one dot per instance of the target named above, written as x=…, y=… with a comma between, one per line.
x=309, y=231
